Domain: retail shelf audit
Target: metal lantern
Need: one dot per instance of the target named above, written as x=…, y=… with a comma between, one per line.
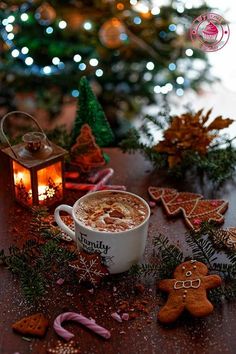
x=37, y=167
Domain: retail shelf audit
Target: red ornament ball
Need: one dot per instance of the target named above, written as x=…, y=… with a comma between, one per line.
x=110, y=33
x=46, y=12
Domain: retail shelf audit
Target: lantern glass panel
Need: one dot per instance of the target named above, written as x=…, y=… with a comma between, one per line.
x=50, y=188
x=22, y=183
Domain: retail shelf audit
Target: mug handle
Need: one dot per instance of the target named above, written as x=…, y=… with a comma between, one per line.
x=68, y=209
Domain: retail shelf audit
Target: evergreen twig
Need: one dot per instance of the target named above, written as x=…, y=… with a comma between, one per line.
x=218, y=164
x=37, y=257
x=203, y=250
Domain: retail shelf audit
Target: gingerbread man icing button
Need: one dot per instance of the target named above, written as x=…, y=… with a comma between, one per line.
x=188, y=291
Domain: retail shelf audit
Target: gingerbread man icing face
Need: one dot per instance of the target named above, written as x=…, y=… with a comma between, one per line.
x=188, y=290
x=190, y=274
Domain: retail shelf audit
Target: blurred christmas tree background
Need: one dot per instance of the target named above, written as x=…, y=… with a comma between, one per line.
x=133, y=53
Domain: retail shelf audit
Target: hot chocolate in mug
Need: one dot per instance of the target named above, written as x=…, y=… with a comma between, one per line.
x=119, y=249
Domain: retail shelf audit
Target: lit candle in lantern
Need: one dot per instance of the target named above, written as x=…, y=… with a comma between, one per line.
x=18, y=177
x=37, y=168
x=45, y=192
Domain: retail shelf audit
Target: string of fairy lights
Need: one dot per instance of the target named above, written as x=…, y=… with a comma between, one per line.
x=57, y=65
x=24, y=55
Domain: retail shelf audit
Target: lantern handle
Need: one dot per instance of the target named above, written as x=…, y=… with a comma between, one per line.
x=4, y=135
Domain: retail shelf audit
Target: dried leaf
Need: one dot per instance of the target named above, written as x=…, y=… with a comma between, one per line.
x=220, y=123
x=196, y=117
x=206, y=117
x=163, y=146
x=188, y=133
x=173, y=160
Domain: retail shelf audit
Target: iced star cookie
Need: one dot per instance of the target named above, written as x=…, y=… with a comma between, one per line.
x=89, y=268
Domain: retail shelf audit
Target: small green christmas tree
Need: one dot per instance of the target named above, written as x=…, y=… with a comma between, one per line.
x=91, y=112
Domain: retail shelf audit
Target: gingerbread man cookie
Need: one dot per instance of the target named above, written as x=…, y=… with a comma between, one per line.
x=188, y=291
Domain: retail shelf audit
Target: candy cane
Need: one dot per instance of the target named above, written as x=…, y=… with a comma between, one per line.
x=79, y=186
x=112, y=186
x=71, y=175
x=88, y=186
x=96, y=176
x=73, y=316
x=97, y=182
x=106, y=174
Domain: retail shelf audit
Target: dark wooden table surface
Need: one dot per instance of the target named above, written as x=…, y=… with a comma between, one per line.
x=214, y=334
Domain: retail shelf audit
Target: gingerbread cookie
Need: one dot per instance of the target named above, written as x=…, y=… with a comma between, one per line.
x=225, y=238
x=194, y=208
x=206, y=211
x=188, y=291
x=89, y=268
x=162, y=193
x=85, y=152
x=35, y=325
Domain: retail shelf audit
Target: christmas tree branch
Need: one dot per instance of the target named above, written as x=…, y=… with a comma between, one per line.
x=201, y=248
x=33, y=262
x=178, y=154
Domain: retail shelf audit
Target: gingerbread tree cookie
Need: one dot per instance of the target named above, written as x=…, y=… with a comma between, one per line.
x=165, y=194
x=85, y=152
x=188, y=291
x=35, y=325
x=206, y=210
x=184, y=201
x=195, y=209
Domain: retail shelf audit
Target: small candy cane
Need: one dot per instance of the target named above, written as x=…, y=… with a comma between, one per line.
x=97, y=181
x=88, y=186
x=112, y=187
x=116, y=317
x=72, y=316
x=104, y=175
x=125, y=316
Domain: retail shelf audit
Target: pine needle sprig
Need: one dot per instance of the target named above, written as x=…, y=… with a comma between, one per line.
x=37, y=257
x=146, y=133
x=201, y=248
x=158, y=122
x=231, y=254
x=145, y=270
x=227, y=291
x=169, y=255
x=32, y=264
x=33, y=286
x=132, y=142
x=166, y=249
x=216, y=161
x=228, y=270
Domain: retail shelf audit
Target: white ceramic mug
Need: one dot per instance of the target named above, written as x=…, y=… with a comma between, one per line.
x=120, y=249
